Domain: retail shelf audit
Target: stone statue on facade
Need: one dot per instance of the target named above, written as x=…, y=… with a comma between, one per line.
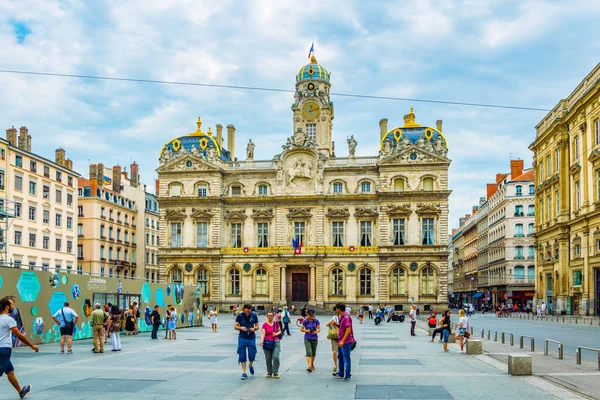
x=250, y=150
x=299, y=137
x=166, y=156
x=420, y=142
x=403, y=144
x=386, y=148
x=351, y=146
x=279, y=175
x=211, y=154
x=195, y=151
x=440, y=146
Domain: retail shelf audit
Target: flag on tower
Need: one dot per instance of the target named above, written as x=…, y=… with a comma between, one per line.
x=312, y=50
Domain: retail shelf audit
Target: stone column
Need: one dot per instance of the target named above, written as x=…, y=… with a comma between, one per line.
x=283, y=284
x=313, y=284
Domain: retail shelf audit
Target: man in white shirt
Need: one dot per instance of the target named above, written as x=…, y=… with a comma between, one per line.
x=413, y=319
x=8, y=327
x=370, y=311
x=66, y=318
x=543, y=309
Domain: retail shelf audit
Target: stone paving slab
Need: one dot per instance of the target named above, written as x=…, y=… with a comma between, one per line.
x=187, y=374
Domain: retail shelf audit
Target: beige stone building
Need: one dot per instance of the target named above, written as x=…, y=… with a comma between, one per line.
x=111, y=222
x=305, y=225
x=39, y=204
x=151, y=236
x=567, y=196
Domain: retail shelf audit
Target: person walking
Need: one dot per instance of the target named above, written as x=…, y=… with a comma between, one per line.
x=332, y=335
x=204, y=309
x=361, y=314
x=413, y=319
x=247, y=324
x=98, y=318
x=213, y=314
x=370, y=311
x=269, y=341
x=66, y=318
x=166, y=320
x=538, y=311
x=155, y=318
x=172, y=324
x=311, y=328
x=543, y=310
x=114, y=327
x=8, y=327
x=345, y=342
x=463, y=328
x=129, y=321
x=445, y=323
x=286, y=321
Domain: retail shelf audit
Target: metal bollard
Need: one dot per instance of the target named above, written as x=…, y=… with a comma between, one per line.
x=471, y=330
x=495, y=336
x=532, y=342
x=488, y=335
x=482, y=333
x=560, y=348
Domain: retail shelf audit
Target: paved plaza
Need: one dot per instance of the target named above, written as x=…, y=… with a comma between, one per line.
x=387, y=364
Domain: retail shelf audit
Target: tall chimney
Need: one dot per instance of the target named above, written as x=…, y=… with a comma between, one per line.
x=438, y=125
x=157, y=187
x=500, y=177
x=93, y=171
x=100, y=175
x=491, y=188
x=11, y=136
x=135, y=179
x=28, y=147
x=116, y=179
x=516, y=168
x=383, y=124
x=69, y=164
x=60, y=156
x=231, y=141
x=220, y=135
x=93, y=187
x=23, y=138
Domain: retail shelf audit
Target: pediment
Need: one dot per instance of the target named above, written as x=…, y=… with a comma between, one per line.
x=235, y=214
x=366, y=212
x=413, y=155
x=575, y=168
x=338, y=212
x=189, y=162
x=399, y=209
x=428, y=209
x=201, y=213
x=265, y=213
x=176, y=214
x=594, y=156
x=298, y=213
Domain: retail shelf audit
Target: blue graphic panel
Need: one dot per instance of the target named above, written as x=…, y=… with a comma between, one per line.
x=57, y=301
x=146, y=292
x=160, y=297
x=28, y=286
x=0, y=281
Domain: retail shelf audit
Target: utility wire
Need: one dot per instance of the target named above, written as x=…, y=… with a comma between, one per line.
x=265, y=89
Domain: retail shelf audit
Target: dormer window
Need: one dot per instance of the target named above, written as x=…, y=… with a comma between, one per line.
x=365, y=187
x=263, y=190
x=202, y=190
x=428, y=184
x=176, y=191
x=338, y=187
x=399, y=185
x=236, y=190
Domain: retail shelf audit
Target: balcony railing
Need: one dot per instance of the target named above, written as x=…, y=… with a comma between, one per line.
x=313, y=250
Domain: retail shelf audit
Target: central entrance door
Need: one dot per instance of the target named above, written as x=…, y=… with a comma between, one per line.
x=300, y=287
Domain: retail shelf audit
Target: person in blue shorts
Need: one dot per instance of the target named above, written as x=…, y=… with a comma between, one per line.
x=247, y=324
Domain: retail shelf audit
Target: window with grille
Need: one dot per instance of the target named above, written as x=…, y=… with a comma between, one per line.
x=300, y=232
x=398, y=281
x=175, y=234
x=176, y=275
x=337, y=228
x=261, y=281
x=365, y=282
x=366, y=233
x=263, y=234
x=233, y=279
x=202, y=280
x=427, y=280
x=337, y=282
x=338, y=187
x=311, y=132
x=365, y=187
x=202, y=190
x=201, y=234
x=262, y=190
x=428, y=231
x=236, y=235
x=398, y=231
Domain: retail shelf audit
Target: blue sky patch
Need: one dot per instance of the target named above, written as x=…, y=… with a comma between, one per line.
x=21, y=30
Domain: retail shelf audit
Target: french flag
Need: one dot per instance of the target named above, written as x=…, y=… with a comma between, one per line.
x=297, y=245
x=312, y=50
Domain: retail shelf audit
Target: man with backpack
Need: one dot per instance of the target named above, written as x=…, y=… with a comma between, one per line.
x=286, y=321
x=66, y=318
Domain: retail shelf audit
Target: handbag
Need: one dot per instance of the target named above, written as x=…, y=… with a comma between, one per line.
x=332, y=334
x=467, y=335
x=68, y=325
x=270, y=344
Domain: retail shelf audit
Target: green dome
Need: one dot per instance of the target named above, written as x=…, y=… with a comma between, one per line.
x=313, y=70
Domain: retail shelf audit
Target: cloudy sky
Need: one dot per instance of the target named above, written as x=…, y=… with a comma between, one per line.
x=520, y=53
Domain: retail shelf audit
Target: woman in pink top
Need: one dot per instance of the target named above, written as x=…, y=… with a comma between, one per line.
x=269, y=340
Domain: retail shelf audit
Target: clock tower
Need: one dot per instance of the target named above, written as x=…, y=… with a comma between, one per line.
x=313, y=109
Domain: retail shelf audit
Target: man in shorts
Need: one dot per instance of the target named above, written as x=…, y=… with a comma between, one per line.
x=247, y=324
x=8, y=327
x=66, y=318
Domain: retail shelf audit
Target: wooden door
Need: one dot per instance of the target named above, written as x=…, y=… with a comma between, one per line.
x=300, y=287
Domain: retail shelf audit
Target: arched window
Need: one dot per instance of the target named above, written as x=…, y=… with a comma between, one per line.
x=519, y=273
x=202, y=280
x=365, y=187
x=398, y=281
x=202, y=189
x=365, y=282
x=399, y=185
x=263, y=190
x=338, y=187
x=236, y=190
x=176, y=275
x=233, y=281
x=176, y=190
x=337, y=282
x=428, y=184
x=427, y=279
x=260, y=281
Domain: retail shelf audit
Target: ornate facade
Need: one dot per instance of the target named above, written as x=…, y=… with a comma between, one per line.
x=307, y=226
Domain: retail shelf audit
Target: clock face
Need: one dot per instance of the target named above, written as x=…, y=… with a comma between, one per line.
x=310, y=110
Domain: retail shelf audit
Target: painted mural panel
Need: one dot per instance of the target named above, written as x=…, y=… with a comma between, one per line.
x=38, y=295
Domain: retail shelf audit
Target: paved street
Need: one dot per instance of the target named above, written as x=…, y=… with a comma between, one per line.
x=570, y=335
x=388, y=363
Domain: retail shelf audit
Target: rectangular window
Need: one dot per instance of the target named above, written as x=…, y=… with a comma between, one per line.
x=69, y=246
x=18, y=207
x=19, y=183
x=338, y=187
x=577, y=250
x=311, y=132
x=32, y=239
x=531, y=210
x=428, y=231
x=19, y=161
x=1, y=180
x=557, y=161
x=58, y=219
x=69, y=222
x=531, y=255
x=69, y=199
x=46, y=171
x=263, y=190
x=548, y=167
x=80, y=251
x=101, y=251
x=399, y=231
x=576, y=148
x=175, y=234
x=549, y=207
x=45, y=266
x=32, y=187
x=300, y=232
x=597, y=131
x=59, y=176
x=557, y=202
x=519, y=190
x=18, y=238
x=577, y=196
x=366, y=233
x=32, y=166
x=542, y=213
x=32, y=212
x=202, y=190
x=263, y=234
x=58, y=244
x=236, y=235
x=46, y=192
x=46, y=242
x=365, y=187
x=58, y=196
x=337, y=233
x=46, y=219
x=236, y=190
x=202, y=234
x=577, y=278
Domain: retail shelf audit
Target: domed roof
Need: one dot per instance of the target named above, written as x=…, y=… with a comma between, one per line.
x=196, y=143
x=414, y=132
x=313, y=70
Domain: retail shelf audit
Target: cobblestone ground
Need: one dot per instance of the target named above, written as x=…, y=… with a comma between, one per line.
x=387, y=364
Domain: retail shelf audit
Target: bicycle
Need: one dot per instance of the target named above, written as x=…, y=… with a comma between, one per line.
x=299, y=322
